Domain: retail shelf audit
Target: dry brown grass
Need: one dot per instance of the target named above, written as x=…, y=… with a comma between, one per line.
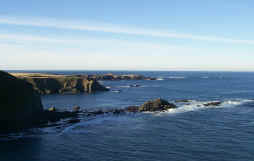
x=37, y=75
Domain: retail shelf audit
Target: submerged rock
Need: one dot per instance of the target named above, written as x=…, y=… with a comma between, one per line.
x=215, y=103
x=156, y=105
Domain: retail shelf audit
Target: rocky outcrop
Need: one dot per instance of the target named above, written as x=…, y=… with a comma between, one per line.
x=149, y=106
x=19, y=103
x=156, y=105
x=61, y=84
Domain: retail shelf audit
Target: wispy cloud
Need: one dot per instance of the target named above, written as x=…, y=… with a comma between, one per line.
x=70, y=25
x=33, y=38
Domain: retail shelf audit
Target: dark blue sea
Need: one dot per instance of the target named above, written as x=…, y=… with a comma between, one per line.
x=192, y=132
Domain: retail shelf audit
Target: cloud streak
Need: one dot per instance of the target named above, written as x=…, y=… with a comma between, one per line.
x=115, y=29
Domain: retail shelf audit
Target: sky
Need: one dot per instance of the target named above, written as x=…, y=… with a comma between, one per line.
x=127, y=35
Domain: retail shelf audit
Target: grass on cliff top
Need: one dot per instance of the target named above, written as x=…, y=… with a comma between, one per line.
x=40, y=75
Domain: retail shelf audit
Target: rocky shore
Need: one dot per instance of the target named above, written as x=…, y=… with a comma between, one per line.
x=21, y=107
x=20, y=102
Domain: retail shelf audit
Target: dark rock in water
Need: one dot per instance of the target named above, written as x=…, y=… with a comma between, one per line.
x=98, y=112
x=156, y=105
x=215, y=103
x=150, y=79
x=76, y=109
x=182, y=101
x=132, y=109
x=118, y=111
x=20, y=105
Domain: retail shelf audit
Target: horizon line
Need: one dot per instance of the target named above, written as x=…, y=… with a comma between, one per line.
x=148, y=70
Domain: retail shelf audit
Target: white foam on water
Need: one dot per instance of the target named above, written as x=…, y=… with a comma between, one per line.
x=176, y=77
x=116, y=91
x=127, y=86
x=200, y=105
x=160, y=79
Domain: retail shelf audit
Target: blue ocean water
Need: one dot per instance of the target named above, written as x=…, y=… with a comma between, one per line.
x=192, y=132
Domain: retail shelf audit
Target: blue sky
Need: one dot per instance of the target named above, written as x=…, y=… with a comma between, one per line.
x=127, y=35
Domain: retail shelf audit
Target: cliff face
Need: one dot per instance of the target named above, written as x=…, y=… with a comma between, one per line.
x=64, y=84
x=19, y=103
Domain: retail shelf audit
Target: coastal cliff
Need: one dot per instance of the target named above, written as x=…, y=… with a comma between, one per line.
x=60, y=84
x=19, y=103
x=21, y=106
x=72, y=84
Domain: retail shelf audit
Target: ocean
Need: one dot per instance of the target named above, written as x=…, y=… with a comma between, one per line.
x=191, y=132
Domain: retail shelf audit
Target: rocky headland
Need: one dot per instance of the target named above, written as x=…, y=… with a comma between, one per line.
x=72, y=84
x=60, y=84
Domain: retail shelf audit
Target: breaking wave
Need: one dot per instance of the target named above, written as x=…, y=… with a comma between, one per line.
x=200, y=105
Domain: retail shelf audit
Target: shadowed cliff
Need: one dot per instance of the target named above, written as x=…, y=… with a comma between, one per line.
x=19, y=103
